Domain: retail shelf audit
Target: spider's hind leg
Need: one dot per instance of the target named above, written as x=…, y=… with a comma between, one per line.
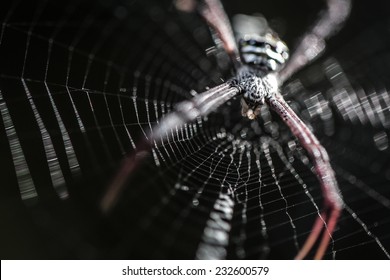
x=312, y=44
x=214, y=14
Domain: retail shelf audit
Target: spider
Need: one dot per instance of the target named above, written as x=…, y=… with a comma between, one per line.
x=261, y=66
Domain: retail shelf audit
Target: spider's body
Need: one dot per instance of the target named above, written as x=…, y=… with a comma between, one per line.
x=258, y=45
x=262, y=53
x=255, y=86
x=267, y=52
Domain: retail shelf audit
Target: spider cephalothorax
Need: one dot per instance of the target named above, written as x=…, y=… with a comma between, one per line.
x=255, y=86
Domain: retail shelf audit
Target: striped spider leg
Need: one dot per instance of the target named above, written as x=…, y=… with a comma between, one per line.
x=258, y=62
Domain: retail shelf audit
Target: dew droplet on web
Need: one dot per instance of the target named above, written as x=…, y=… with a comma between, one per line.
x=195, y=202
x=381, y=141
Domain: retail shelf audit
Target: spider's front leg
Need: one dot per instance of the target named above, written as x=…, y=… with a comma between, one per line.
x=185, y=112
x=333, y=202
x=310, y=47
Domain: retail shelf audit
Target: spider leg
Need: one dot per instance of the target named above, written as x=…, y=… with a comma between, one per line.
x=312, y=238
x=213, y=13
x=331, y=225
x=333, y=202
x=185, y=112
x=312, y=44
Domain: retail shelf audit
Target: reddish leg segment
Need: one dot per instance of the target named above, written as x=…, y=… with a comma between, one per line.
x=333, y=202
x=214, y=14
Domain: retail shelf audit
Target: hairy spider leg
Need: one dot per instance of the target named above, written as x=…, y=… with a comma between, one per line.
x=185, y=112
x=212, y=11
x=312, y=44
x=333, y=202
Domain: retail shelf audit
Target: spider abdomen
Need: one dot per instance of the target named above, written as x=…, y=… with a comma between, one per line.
x=267, y=52
x=259, y=46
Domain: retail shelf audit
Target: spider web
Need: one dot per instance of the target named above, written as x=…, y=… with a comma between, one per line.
x=82, y=82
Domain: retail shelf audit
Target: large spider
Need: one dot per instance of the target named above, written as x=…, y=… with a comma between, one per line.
x=261, y=68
